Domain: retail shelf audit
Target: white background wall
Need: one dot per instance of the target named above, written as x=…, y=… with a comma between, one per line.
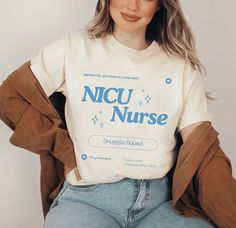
x=27, y=25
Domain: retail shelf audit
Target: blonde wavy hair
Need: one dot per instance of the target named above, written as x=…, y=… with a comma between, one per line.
x=168, y=27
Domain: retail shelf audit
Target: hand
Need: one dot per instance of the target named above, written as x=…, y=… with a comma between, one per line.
x=76, y=171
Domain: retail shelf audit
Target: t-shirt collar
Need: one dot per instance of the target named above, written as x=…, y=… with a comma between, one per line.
x=152, y=48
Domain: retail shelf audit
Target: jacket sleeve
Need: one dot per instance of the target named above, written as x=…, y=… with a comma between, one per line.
x=12, y=106
x=37, y=128
x=19, y=115
x=217, y=190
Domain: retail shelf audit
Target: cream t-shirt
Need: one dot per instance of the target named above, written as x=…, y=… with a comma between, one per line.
x=123, y=105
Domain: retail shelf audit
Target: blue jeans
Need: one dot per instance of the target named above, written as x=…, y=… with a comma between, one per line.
x=127, y=203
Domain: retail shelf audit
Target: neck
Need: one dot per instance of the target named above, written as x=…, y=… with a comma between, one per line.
x=135, y=40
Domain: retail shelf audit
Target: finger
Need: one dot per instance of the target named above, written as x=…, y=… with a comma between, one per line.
x=67, y=170
x=77, y=173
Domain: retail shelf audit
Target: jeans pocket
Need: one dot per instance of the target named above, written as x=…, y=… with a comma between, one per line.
x=61, y=192
x=167, y=180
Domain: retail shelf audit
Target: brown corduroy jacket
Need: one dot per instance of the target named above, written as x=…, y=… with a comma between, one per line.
x=201, y=178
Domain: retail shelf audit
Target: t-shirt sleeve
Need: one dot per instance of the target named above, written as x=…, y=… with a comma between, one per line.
x=195, y=104
x=48, y=65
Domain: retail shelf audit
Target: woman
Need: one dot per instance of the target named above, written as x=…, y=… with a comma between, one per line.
x=132, y=80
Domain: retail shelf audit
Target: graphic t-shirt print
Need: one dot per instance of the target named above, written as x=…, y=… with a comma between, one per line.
x=123, y=107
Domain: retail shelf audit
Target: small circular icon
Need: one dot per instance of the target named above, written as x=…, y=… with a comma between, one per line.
x=84, y=156
x=168, y=80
